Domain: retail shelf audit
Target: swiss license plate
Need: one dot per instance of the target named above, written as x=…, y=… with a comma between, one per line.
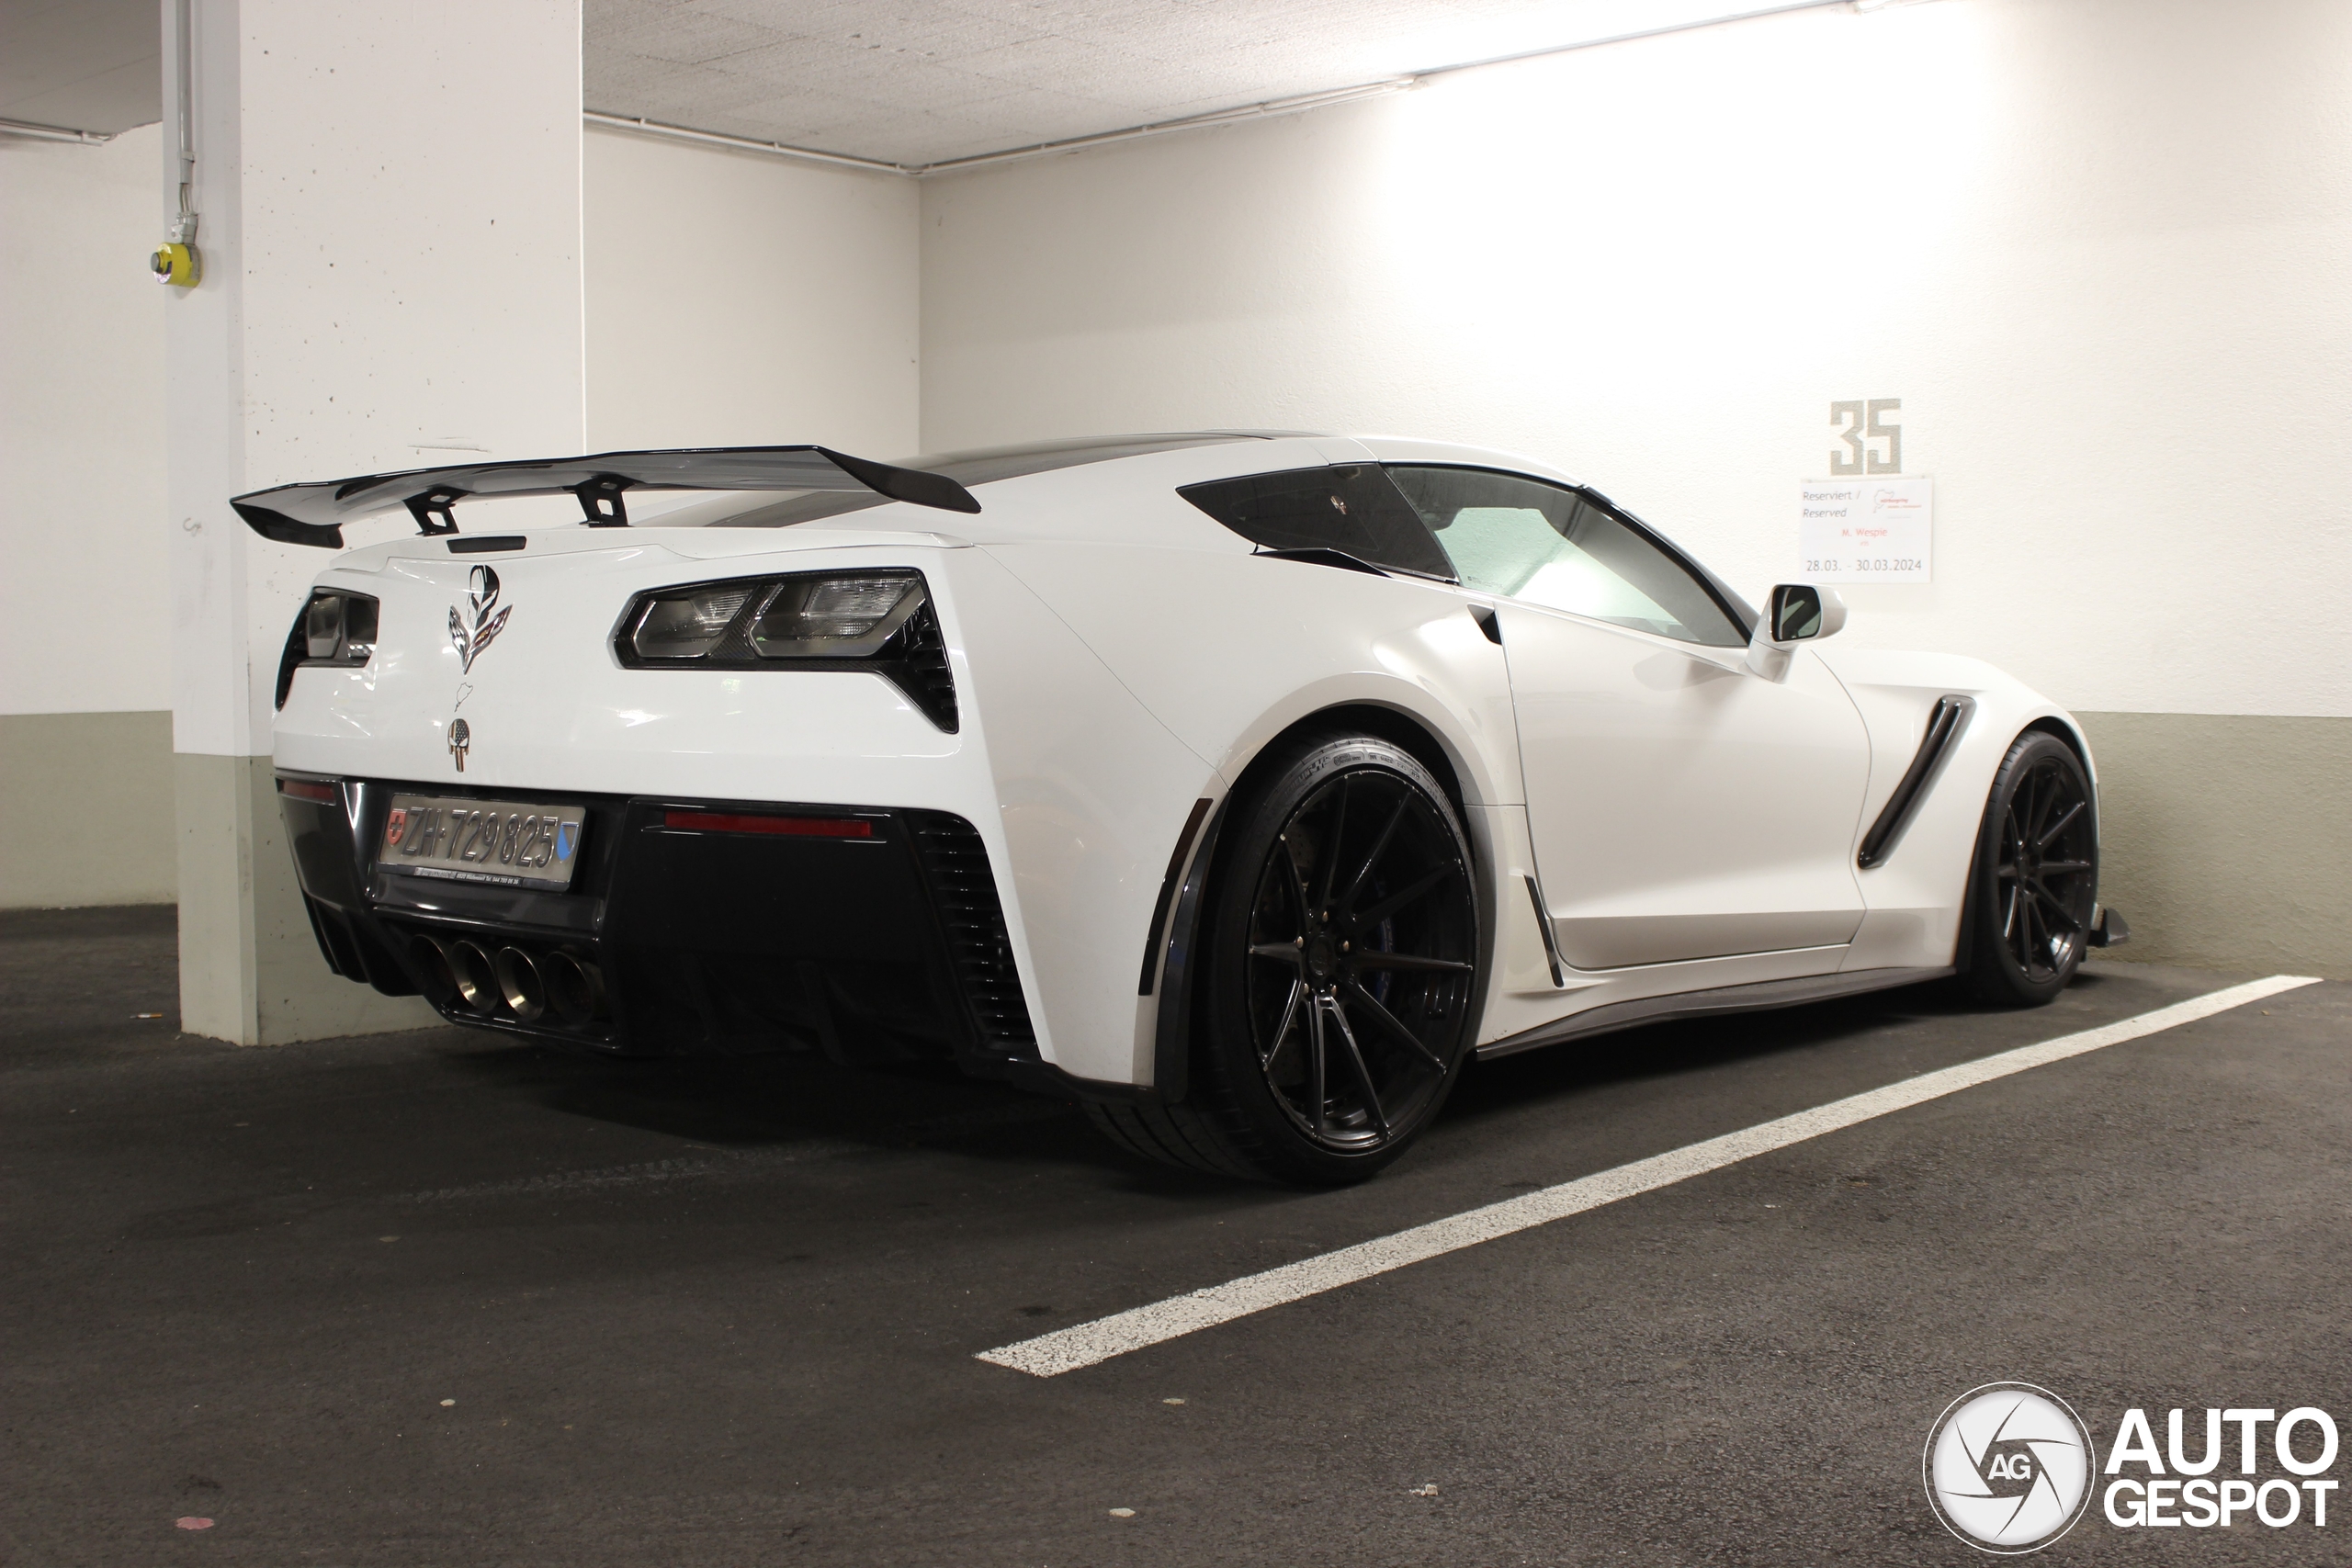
x=513, y=843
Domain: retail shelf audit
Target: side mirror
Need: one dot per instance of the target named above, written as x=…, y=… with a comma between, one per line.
x=1795, y=612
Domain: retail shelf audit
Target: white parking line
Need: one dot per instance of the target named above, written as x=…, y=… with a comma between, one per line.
x=1085, y=1344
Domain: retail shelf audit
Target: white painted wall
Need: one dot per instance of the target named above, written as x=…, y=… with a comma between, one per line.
x=736, y=298
x=391, y=226
x=2096, y=246
x=85, y=594
x=729, y=298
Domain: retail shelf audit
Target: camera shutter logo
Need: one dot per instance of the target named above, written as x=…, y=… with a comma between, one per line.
x=2009, y=1468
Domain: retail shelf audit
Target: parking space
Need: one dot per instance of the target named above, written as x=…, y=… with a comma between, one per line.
x=435, y=1298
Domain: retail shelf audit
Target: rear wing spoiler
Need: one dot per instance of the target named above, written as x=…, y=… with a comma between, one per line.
x=314, y=513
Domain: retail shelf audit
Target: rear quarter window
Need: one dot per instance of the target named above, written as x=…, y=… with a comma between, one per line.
x=1352, y=508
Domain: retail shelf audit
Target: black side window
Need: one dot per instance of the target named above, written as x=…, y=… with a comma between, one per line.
x=1353, y=509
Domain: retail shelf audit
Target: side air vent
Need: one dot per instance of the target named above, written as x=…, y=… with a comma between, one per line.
x=1945, y=721
x=965, y=893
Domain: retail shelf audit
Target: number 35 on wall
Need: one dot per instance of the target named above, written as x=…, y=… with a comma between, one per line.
x=1863, y=426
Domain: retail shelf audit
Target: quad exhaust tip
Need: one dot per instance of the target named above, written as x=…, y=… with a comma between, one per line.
x=519, y=985
x=431, y=957
x=513, y=983
x=573, y=987
x=477, y=983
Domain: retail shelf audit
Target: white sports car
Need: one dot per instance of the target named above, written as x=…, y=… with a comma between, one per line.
x=1238, y=786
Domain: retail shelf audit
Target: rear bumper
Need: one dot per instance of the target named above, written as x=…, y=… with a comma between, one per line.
x=884, y=947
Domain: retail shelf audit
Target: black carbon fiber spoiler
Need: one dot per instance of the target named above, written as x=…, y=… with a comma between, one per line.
x=314, y=513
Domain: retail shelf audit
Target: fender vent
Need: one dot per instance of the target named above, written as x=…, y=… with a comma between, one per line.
x=964, y=892
x=1945, y=721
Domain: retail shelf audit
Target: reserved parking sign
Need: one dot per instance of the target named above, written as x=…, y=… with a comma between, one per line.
x=1854, y=530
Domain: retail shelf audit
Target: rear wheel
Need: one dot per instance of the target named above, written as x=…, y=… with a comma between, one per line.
x=1341, y=966
x=2035, y=878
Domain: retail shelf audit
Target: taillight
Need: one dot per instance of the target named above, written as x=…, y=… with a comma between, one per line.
x=879, y=620
x=334, y=628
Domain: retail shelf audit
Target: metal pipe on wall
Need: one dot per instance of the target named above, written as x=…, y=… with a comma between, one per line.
x=55, y=133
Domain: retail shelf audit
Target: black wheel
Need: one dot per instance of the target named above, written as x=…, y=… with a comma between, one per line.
x=1341, y=952
x=2035, y=878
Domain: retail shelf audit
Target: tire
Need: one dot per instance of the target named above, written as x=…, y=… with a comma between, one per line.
x=1340, y=973
x=2035, y=877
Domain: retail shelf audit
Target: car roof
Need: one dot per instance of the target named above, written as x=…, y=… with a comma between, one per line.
x=977, y=468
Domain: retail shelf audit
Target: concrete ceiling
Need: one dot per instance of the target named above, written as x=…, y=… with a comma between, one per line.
x=919, y=81
x=82, y=64
x=909, y=81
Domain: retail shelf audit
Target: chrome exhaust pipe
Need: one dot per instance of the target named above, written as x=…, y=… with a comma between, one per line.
x=573, y=985
x=477, y=981
x=519, y=983
x=431, y=957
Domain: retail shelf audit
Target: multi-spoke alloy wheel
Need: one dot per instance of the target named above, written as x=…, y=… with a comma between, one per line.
x=1339, y=971
x=2036, y=878
x=1360, y=951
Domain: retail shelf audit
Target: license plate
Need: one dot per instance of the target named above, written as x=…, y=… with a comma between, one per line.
x=513, y=843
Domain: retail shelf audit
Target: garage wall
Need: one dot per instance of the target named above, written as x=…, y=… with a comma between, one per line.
x=85, y=730
x=730, y=299
x=2095, y=246
x=738, y=299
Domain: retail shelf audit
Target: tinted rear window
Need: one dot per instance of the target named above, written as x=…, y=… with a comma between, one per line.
x=1351, y=508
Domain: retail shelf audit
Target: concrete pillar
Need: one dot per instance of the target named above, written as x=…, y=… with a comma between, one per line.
x=390, y=224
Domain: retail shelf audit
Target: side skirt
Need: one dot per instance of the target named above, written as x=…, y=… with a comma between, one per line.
x=1761, y=997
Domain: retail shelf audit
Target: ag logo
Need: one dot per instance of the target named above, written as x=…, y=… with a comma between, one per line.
x=2009, y=1468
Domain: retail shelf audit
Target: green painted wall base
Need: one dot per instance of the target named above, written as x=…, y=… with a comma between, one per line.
x=2227, y=840
x=250, y=968
x=85, y=809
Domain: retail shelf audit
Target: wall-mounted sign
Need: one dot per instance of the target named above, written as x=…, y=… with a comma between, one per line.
x=1866, y=530
x=1873, y=443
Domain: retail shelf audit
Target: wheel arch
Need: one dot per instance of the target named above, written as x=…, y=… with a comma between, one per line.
x=1406, y=729
x=2061, y=728
x=2064, y=727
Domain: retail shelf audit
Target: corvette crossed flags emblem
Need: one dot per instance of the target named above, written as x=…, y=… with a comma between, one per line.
x=471, y=638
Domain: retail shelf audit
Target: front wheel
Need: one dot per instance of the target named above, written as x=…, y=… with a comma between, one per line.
x=1342, y=951
x=2035, y=880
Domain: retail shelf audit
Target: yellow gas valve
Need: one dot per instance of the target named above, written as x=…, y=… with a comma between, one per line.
x=177, y=264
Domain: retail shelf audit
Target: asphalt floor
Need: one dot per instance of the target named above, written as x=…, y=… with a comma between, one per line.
x=437, y=1299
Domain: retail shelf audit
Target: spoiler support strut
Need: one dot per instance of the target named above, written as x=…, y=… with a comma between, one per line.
x=434, y=511
x=600, y=505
